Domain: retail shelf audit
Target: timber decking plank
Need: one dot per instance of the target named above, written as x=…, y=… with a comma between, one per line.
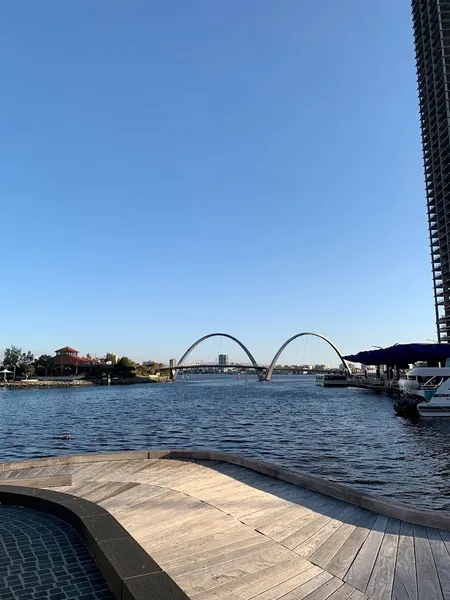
x=291, y=522
x=107, y=490
x=324, y=555
x=305, y=589
x=313, y=543
x=427, y=577
x=19, y=473
x=259, y=582
x=382, y=577
x=222, y=551
x=204, y=579
x=210, y=542
x=262, y=517
x=326, y=590
x=308, y=530
x=405, y=578
x=174, y=533
x=131, y=499
x=359, y=596
x=343, y=593
x=83, y=489
x=199, y=482
x=358, y=574
x=165, y=474
x=218, y=558
x=445, y=535
x=119, y=488
x=441, y=560
x=91, y=470
x=278, y=587
x=207, y=540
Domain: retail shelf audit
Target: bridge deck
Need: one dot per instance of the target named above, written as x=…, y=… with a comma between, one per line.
x=222, y=531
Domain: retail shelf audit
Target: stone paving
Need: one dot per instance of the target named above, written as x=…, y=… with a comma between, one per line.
x=42, y=557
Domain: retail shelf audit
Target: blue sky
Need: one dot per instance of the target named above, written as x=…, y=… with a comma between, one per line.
x=171, y=168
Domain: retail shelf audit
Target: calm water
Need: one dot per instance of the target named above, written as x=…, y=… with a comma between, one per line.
x=348, y=435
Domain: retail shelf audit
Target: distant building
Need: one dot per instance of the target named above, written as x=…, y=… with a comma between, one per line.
x=110, y=358
x=223, y=360
x=432, y=42
x=172, y=363
x=68, y=360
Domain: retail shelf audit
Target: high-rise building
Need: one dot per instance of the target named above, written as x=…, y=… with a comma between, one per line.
x=172, y=363
x=432, y=42
x=223, y=360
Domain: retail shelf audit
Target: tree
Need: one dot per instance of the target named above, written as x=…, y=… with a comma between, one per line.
x=110, y=357
x=12, y=357
x=45, y=362
x=26, y=364
x=88, y=356
x=125, y=363
x=154, y=366
x=149, y=367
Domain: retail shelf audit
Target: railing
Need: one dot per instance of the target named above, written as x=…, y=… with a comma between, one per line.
x=374, y=383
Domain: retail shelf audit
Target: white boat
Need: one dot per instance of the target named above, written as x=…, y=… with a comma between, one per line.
x=431, y=386
x=331, y=380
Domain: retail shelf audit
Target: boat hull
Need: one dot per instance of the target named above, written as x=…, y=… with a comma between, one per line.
x=331, y=380
x=429, y=388
x=433, y=410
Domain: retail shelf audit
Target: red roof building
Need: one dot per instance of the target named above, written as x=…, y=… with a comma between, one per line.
x=68, y=357
x=66, y=350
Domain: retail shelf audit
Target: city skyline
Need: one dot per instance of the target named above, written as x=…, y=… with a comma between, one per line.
x=128, y=166
x=206, y=350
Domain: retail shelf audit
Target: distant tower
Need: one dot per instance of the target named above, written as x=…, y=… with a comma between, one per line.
x=432, y=42
x=223, y=360
x=172, y=363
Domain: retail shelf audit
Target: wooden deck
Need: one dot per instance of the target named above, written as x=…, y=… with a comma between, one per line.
x=222, y=531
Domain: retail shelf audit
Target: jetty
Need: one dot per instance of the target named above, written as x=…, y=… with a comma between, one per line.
x=375, y=384
x=209, y=525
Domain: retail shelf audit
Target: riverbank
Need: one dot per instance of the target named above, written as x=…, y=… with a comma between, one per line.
x=47, y=384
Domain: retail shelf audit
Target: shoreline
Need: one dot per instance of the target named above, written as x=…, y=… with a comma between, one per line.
x=36, y=384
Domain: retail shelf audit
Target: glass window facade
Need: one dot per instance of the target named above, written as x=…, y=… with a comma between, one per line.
x=432, y=42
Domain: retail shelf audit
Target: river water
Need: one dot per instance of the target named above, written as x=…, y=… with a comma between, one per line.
x=348, y=435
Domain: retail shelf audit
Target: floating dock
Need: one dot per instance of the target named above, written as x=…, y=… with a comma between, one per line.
x=374, y=384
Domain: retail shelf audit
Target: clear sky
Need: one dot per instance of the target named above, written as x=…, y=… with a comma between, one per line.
x=175, y=167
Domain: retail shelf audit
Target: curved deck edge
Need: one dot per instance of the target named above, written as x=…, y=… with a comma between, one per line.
x=378, y=504
x=129, y=571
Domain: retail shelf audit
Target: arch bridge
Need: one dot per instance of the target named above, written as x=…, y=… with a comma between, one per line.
x=259, y=369
x=264, y=373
